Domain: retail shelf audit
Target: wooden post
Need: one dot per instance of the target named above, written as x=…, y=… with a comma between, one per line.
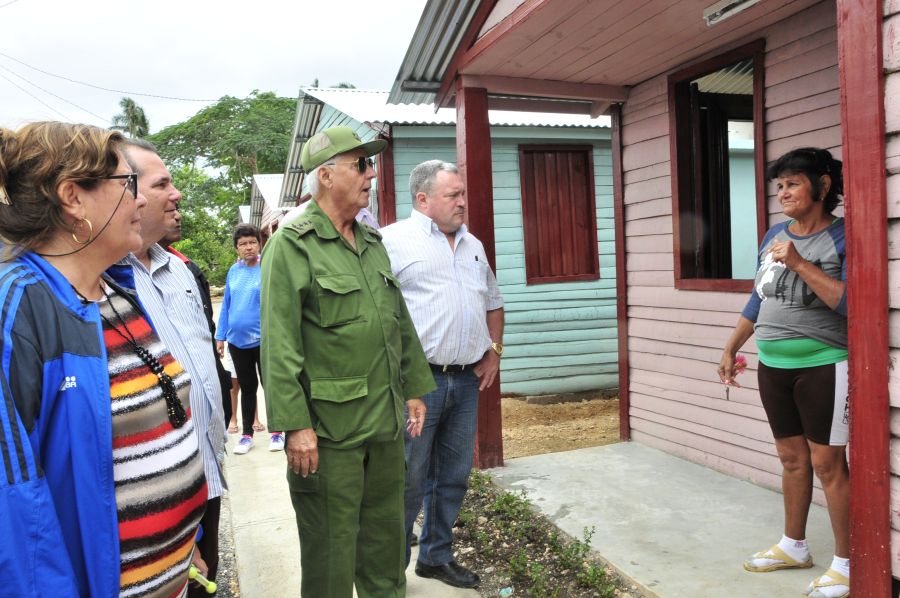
x=387, y=194
x=859, y=24
x=621, y=271
x=473, y=156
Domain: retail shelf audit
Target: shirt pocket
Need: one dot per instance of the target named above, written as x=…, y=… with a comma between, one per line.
x=338, y=405
x=339, y=299
x=473, y=275
x=395, y=296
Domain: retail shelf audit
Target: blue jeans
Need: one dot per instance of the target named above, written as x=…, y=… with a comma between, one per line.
x=439, y=461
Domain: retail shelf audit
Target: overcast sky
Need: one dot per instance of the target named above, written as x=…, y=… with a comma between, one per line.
x=197, y=49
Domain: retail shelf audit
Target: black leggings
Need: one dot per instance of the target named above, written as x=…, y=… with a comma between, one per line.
x=249, y=373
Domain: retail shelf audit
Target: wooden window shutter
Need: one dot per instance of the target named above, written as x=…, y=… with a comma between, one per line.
x=558, y=213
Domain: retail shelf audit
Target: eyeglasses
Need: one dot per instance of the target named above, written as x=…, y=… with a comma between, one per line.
x=130, y=181
x=362, y=164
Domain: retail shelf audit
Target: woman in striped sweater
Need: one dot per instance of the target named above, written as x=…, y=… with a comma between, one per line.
x=101, y=482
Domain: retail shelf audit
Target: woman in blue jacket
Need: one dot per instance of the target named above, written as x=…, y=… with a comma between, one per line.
x=101, y=482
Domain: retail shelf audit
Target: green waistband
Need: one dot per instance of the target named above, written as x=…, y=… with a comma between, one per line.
x=798, y=353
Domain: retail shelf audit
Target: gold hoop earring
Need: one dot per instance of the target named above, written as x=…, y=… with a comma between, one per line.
x=80, y=223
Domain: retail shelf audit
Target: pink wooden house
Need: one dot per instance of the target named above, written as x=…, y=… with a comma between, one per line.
x=703, y=94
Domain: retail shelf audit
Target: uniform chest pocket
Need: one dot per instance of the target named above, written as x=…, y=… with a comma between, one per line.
x=339, y=298
x=394, y=295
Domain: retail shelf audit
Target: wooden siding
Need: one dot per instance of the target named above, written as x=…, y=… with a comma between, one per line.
x=891, y=41
x=676, y=336
x=559, y=337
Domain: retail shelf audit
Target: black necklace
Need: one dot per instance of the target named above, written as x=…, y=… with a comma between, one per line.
x=174, y=408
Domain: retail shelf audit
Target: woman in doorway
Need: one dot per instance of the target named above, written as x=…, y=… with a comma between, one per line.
x=104, y=486
x=799, y=315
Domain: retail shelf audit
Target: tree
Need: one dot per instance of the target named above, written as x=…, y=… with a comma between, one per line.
x=212, y=157
x=132, y=120
x=209, y=210
x=240, y=137
x=341, y=85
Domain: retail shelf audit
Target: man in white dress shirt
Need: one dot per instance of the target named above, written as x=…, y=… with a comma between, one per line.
x=455, y=304
x=168, y=292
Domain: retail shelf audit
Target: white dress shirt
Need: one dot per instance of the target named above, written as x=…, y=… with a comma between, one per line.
x=170, y=295
x=448, y=290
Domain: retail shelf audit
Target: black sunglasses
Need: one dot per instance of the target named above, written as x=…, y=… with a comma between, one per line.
x=130, y=181
x=362, y=163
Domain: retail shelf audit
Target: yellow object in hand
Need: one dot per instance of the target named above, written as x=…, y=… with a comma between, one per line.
x=209, y=586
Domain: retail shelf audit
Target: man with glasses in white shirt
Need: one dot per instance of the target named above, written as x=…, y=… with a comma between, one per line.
x=456, y=306
x=168, y=292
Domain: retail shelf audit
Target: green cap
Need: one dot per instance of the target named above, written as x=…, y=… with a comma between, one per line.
x=327, y=144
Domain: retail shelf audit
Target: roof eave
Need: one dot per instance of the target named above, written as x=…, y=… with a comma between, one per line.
x=441, y=31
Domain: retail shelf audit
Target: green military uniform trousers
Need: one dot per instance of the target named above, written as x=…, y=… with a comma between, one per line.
x=355, y=499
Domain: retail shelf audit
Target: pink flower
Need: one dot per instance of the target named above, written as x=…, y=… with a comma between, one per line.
x=740, y=364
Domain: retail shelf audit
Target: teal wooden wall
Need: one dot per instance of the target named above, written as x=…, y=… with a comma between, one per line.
x=559, y=337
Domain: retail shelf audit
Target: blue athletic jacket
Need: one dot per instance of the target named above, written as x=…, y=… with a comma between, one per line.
x=59, y=533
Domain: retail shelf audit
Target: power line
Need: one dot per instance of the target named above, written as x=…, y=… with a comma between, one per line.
x=35, y=97
x=103, y=120
x=8, y=3
x=119, y=91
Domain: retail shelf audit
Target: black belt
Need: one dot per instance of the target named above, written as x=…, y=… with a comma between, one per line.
x=450, y=368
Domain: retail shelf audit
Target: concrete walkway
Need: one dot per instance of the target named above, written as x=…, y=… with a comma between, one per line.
x=265, y=533
x=678, y=530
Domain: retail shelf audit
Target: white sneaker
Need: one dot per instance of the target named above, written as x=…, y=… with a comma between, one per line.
x=277, y=442
x=244, y=445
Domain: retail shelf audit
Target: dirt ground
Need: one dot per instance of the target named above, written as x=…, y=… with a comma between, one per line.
x=583, y=420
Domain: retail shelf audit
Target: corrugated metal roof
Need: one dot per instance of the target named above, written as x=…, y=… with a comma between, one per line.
x=440, y=31
x=371, y=106
x=264, y=198
x=306, y=119
x=734, y=79
x=269, y=185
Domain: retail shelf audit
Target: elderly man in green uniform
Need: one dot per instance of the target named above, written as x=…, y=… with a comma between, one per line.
x=340, y=357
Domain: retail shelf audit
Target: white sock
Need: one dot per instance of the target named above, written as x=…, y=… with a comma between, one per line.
x=842, y=566
x=796, y=549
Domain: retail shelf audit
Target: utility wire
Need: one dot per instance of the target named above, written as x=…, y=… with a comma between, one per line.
x=103, y=120
x=8, y=3
x=119, y=91
x=35, y=97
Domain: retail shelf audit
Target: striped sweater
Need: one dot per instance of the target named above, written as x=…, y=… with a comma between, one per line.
x=159, y=479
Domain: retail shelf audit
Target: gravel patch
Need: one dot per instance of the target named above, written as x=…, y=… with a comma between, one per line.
x=227, y=577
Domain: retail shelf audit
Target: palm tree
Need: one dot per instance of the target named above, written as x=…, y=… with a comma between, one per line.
x=132, y=120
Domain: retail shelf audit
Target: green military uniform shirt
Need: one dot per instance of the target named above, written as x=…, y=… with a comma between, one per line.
x=339, y=350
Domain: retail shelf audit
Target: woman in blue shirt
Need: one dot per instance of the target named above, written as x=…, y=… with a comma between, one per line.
x=239, y=325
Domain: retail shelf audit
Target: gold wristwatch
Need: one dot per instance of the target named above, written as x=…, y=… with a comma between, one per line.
x=498, y=349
